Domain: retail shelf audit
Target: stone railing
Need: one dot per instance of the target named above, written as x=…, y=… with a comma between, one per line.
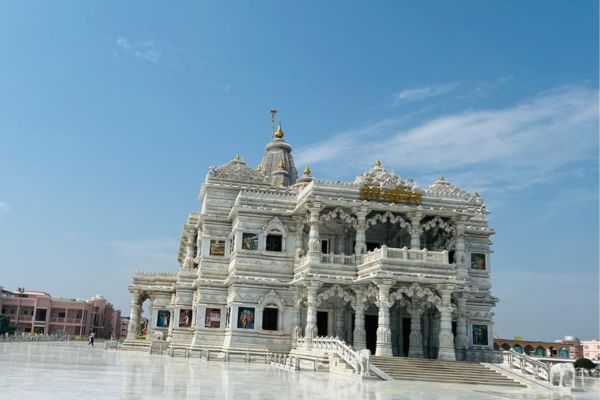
x=357, y=360
x=406, y=254
x=66, y=320
x=483, y=355
x=36, y=338
x=338, y=259
x=527, y=364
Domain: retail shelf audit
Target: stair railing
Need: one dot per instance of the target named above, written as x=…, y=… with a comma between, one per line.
x=527, y=364
x=358, y=360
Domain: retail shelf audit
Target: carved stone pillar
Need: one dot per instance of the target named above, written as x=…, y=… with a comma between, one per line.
x=299, y=237
x=460, y=254
x=296, y=328
x=361, y=228
x=339, y=321
x=314, y=240
x=415, y=345
x=359, y=334
x=415, y=230
x=460, y=341
x=134, y=318
x=384, y=333
x=446, y=338
x=311, y=313
x=188, y=261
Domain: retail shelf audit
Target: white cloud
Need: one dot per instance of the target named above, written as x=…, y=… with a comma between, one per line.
x=123, y=43
x=149, y=254
x=4, y=208
x=511, y=148
x=422, y=93
x=145, y=50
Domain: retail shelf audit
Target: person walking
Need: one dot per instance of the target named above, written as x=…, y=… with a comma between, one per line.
x=92, y=338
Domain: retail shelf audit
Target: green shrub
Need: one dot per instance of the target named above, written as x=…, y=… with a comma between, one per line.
x=584, y=363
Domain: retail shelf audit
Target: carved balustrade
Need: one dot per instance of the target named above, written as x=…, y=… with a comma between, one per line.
x=357, y=360
x=338, y=259
x=527, y=364
x=483, y=355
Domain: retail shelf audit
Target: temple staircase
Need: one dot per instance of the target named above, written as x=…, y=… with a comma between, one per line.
x=421, y=369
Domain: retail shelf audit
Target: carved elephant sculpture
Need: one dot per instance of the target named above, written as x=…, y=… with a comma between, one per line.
x=364, y=357
x=158, y=336
x=562, y=371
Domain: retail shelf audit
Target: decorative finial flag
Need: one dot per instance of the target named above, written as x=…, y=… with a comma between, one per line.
x=307, y=170
x=273, y=112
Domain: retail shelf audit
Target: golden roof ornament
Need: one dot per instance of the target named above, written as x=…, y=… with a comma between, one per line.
x=442, y=178
x=307, y=170
x=259, y=168
x=237, y=157
x=281, y=165
x=279, y=132
x=377, y=163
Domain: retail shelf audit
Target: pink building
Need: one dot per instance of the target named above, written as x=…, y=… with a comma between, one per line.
x=591, y=349
x=38, y=312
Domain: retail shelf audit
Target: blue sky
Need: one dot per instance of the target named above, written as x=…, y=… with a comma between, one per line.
x=112, y=112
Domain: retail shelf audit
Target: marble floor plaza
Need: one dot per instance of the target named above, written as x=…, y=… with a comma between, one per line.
x=75, y=371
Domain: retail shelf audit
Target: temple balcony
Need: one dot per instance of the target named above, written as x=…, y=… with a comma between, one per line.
x=384, y=259
x=405, y=261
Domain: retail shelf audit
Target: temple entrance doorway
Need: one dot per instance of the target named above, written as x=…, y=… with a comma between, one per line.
x=405, y=336
x=322, y=323
x=371, y=332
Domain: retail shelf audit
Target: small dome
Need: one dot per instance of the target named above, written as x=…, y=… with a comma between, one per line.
x=570, y=338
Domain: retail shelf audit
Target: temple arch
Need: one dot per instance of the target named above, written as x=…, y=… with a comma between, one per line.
x=269, y=319
x=387, y=229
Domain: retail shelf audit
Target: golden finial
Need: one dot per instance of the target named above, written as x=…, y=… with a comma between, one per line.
x=259, y=168
x=281, y=165
x=279, y=133
x=307, y=170
x=237, y=157
x=377, y=163
x=442, y=178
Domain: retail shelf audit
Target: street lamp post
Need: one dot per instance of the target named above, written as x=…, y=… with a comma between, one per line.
x=21, y=290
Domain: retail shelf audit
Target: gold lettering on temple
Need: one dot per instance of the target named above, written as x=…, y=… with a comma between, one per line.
x=400, y=193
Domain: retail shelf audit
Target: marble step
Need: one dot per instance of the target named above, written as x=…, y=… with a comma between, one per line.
x=487, y=374
x=418, y=369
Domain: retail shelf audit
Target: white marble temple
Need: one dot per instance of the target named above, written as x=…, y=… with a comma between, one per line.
x=75, y=371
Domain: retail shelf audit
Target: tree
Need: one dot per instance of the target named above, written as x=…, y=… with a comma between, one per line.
x=585, y=363
x=4, y=324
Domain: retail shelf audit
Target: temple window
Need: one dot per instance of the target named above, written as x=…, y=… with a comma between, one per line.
x=212, y=318
x=478, y=261
x=274, y=243
x=249, y=241
x=217, y=247
x=269, y=319
x=325, y=246
x=451, y=259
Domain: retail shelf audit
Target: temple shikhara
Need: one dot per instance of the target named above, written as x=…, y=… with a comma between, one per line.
x=274, y=261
